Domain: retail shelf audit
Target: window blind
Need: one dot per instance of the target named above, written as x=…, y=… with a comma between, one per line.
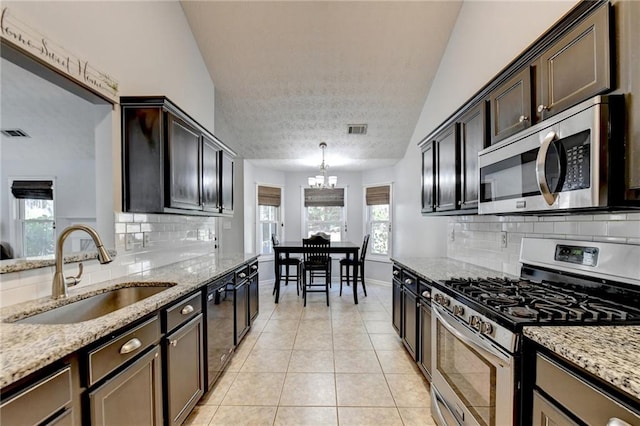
x=376, y=195
x=32, y=189
x=269, y=196
x=329, y=197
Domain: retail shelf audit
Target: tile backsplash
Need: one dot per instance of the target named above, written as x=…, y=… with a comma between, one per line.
x=143, y=241
x=480, y=239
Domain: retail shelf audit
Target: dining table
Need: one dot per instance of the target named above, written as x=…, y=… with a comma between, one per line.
x=284, y=249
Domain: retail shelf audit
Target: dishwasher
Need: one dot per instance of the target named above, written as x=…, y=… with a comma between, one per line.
x=219, y=311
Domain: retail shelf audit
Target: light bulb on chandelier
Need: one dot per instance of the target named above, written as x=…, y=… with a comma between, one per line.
x=323, y=181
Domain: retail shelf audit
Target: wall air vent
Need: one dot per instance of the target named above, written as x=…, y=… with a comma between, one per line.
x=15, y=133
x=357, y=129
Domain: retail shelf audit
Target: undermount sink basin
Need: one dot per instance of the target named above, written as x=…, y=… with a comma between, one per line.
x=95, y=306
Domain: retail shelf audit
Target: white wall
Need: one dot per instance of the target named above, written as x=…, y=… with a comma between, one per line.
x=487, y=36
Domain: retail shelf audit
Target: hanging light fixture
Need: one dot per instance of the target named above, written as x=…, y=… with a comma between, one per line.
x=322, y=180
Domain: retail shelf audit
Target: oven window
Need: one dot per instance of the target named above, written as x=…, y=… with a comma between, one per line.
x=514, y=177
x=470, y=376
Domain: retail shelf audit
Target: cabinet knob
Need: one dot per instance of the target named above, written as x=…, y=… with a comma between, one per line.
x=186, y=310
x=614, y=421
x=242, y=275
x=173, y=343
x=542, y=108
x=522, y=119
x=130, y=346
x=408, y=281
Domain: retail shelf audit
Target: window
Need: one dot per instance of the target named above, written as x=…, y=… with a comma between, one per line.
x=269, y=200
x=378, y=219
x=324, y=211
x=35, y=227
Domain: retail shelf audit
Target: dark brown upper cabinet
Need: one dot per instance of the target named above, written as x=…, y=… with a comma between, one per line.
x=576, y=67
x=428, y=205
x=447, y=168
x=473, y=139
x=171, y=164
x=511, y=106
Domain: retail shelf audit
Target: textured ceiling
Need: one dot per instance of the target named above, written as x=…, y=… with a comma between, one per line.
x=289, y=75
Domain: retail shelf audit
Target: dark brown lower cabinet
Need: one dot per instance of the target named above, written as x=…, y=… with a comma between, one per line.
x=424, y=340
x=241, y=310
x=254, y=297
x=397, y=306
x=409, y=321
x=185, y=369
x=132, y=397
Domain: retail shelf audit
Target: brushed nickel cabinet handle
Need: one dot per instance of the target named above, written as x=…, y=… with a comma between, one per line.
x=242, y=275
x=186, y=310
x=542, y=108
x=614, y=421
x=130, y=346
x=522, y=119
x=173, y=343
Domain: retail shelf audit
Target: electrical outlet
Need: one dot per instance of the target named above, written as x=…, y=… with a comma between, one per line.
x=452, y=235
x=503, y=239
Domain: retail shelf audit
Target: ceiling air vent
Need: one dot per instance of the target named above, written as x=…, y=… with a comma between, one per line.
x=14, y=133
x=357, y=129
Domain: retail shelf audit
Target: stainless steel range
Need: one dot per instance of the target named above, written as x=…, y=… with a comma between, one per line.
x=477, y=323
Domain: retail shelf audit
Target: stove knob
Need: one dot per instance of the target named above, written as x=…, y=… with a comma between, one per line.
x=437, y=298
x=475, y=322
x=487, y=328
x=446, y=302
x=458, y=310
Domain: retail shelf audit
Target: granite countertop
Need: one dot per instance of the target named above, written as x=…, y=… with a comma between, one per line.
x=611, y=353
x=26, y=263
x=442, y=268
x=25, y=348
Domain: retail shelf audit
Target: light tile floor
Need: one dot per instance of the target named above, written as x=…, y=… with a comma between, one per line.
x=319, y=365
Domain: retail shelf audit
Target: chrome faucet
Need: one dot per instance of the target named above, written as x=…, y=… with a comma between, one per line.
x=60, y=283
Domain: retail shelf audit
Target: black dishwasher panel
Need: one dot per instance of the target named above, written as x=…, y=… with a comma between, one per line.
x=220, y=326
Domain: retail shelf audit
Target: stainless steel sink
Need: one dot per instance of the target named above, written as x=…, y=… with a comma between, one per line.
x=95, y=306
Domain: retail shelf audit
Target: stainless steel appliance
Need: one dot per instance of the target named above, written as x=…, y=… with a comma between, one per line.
x=572, y=161
x=477, y=323
x=220, y=326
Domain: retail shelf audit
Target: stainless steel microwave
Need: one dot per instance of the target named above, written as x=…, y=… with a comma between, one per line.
x=570, y=162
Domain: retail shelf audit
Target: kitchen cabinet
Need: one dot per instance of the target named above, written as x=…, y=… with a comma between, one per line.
x=511, y=106
x=424, y=338
x=396, y=285
x=183, y=357
x=447, y=168
x=473, y=138
x=171, y=164
x=575, y=67
x=241, y=305
x=410, y=313
x=133, y=396
x=428, y=180
x=254, y=292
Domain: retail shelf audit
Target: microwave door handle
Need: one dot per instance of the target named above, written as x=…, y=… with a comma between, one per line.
x=490, y=353
x=541, y=174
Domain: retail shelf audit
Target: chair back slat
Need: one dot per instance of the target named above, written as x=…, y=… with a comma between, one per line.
x=319, y=242
x=365, y=245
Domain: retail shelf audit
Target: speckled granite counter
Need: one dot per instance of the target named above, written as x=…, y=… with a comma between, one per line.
x=25, y=348
x=442, y=268
x=26, y=263
x=608, y=352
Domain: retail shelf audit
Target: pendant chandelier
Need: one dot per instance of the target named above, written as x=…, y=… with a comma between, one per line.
x=323, y=181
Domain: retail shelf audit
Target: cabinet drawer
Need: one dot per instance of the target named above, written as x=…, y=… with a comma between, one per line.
x=183, y=311
x=253, y=268
x=585, y=401
x=39, y=401
x=114, y=353
x=242, y=273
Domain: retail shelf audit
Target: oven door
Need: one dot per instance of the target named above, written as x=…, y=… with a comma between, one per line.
x=473, y=380
x=557, y=167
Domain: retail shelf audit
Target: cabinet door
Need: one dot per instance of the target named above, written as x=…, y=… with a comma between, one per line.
x=185, y=370
x=241, y=311
x=447, y=166
x=254, y=297
x=576, y=67
x=472, y=140
x=409, y=322
x=427, y=178
x=184, y=164
x=397, y=307
x=226, y=184
x=210, y=184
x=511, y=106
x=133, y=397
x=546, y=413
x=425, y=339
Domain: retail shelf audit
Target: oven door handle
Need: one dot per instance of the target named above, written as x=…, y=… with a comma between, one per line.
x=491, y=353
x=541, y=174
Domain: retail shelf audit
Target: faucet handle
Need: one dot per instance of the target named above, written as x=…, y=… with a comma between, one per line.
x=71, y=281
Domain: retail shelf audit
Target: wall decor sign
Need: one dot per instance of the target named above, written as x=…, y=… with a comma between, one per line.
x=43, y=49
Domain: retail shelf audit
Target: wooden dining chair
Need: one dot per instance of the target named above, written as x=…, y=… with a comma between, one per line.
x=350, y=262
x=286, y=264
x=316, y=264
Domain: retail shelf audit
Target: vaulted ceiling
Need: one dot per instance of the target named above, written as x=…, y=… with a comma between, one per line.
x=289, y=75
